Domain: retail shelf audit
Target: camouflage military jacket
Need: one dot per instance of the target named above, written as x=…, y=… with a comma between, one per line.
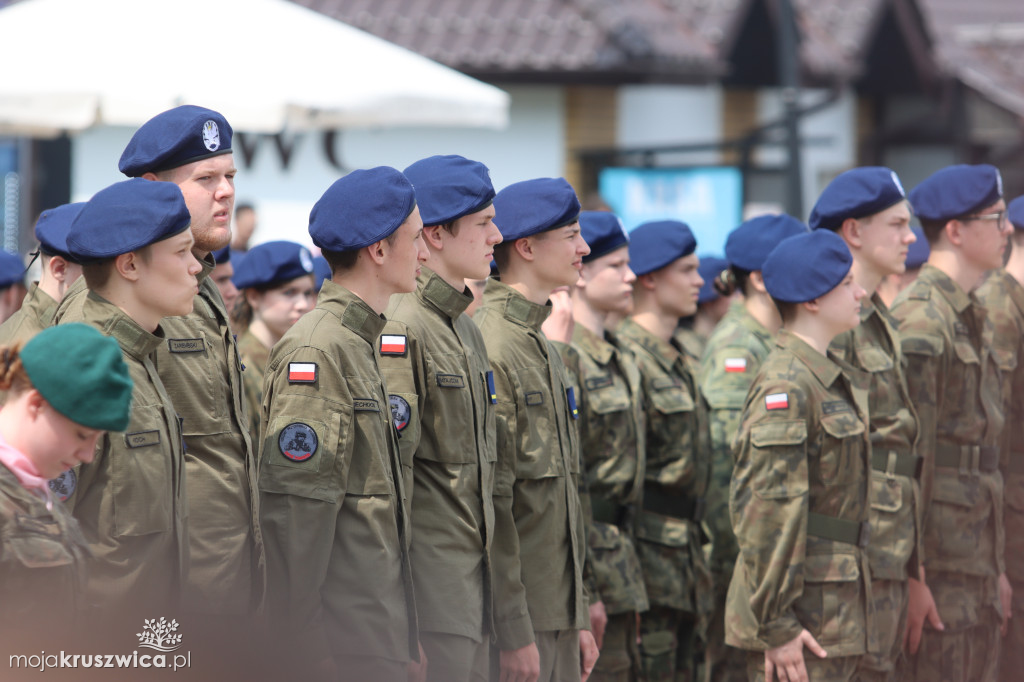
x=874, y=348
x=612, y=432
x=737, y=348
x=678, y=466
x=692, y=343
x=337, y=535
x=35, y=315
x=254, y=356
x=954, y=385
x=539, y=542
x=800, y=483
x=439, y=388
x=131, y=499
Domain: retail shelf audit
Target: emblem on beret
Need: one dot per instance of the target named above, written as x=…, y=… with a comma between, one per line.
x=64, y=485
x=297, y=441
x=306, y=260
x=896, y=181
x=999, y=182
x=401, y=413
x=211, y=135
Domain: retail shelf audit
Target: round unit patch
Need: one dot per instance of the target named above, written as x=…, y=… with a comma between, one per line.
x=400, y=411
x=64, y=485
x=297, y=441
x=211, y=135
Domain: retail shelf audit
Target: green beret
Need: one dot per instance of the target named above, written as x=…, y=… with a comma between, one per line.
x=82, y=374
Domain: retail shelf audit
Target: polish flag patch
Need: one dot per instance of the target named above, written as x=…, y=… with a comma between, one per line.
x=301, y=372
x=735, y=364
x=392, y=344
x=776, y=401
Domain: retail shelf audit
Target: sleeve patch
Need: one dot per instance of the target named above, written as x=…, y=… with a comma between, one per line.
x=64, y=485
x=392, y=344
x=401, y=413
x=298, y=441
x=302, y=372
x=776, y=401
x=735, y=364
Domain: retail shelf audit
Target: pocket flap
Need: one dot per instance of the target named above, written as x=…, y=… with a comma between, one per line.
x=39, y=551
x=873, y=358
x=957, y=491
x=788, y=432
x=831, y=568
x=845, y=424
x=921, y=344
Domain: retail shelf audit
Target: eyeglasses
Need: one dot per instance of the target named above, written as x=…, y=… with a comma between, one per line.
x=999, y=218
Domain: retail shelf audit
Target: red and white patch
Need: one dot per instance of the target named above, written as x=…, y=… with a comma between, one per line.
x=776, y=401
x=735, y=364
x=392, y=344
x=301, y=372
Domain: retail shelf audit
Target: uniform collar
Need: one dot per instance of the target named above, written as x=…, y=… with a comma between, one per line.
x=949, y=289
x=115, y=323
x=40, y=304
x=514, y=306
x=433, y=289
x=600, y=350
x=353, y=311
x=1013, y=287
x=665, y=353
x=824, y=368
x=207, y=263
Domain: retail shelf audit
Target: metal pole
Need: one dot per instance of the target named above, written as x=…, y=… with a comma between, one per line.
x=789, y=79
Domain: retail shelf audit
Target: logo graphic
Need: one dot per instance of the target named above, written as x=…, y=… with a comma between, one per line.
x=64, y=485
x=896, y=181
x=297, y=441
x=159, y=635
x=211, y=135
x=400, y=411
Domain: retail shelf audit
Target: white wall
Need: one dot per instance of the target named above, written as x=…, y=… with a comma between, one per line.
x=671, y=115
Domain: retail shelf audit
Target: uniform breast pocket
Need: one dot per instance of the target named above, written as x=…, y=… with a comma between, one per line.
x=537, y=428
x=779, y=459
x=191, y=371
x=369, y=457
x=39, y=551
x=142, y=475
x=959, y=525
x=831, y=606
x=671, y=428
x=449, y=407
x=841, y=446
x=874, y=359
x=971, y=370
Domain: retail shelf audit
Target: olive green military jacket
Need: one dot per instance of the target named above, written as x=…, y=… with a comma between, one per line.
x=35, y=315
x=539, y=540
x=677, y=470
x=254, y=356
x=1003, y=298
x=337, y=534
x=954, y=384
x=612, y=432
x=131, y=499
x=799, y=503
x=439, y=391
x=736, y=350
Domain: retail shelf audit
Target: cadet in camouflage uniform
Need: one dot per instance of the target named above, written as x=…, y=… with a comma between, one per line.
x=71, y=383
x=59, y=272
x=738, y=346
x=541, y=606
x=800, y=492
x=130, y=499
x=954, y=384
x=678, y=455
x=612, y=431
x=694, y=331
x=275, y=284
x=439, y=382
x=868, y=209
x=1002, y=294
x=340, y=595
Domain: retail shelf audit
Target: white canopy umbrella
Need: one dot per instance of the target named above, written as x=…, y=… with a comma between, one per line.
x=267, y=65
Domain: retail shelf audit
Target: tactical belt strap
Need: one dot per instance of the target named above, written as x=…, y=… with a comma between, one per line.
x=840, y=530
x=676, y=505
x=905, y=463
x=967, y=457
x=607, y=511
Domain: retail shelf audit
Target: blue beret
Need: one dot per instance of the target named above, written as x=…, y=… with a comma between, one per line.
x=361, y=208
x=710, y=268
x=956, y=191
x=322, y=270
x=52, y=229
x=917, y=254
x=222, y=255
x=174, y=138
x=127, y=216
x=806, y=266
x=526, y=208
x=654, y=245
x=603, y=232
x=1015, y=212
x=749, y=244
x=856, y=193
x=272, y=263
x=12, y=269
x=449, y=187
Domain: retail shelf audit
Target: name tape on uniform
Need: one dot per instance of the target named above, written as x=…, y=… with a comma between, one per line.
x=392, y=344
x=302, y=372
x=776, y=401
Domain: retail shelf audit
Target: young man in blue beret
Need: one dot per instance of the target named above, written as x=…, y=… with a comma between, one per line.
x=332, y=490
x=439, y=379
x=799, y=498
x=1002, y=294
x=917, y=256
x=541, y=616
x=669, y=537
x=136, y=249
x=954, y=384
x=59, y=272
x=869, y=210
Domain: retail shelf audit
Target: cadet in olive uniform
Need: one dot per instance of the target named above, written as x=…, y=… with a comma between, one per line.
x=135, y=246
x=868, y=209
x=340, y=595
x=541, y=605
x=800, y=491
x=67, y=386
x=736, y=349
x=275, y=284
x=440, y=398
x=59, y=272
x=953, y=380
x=612, y=430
